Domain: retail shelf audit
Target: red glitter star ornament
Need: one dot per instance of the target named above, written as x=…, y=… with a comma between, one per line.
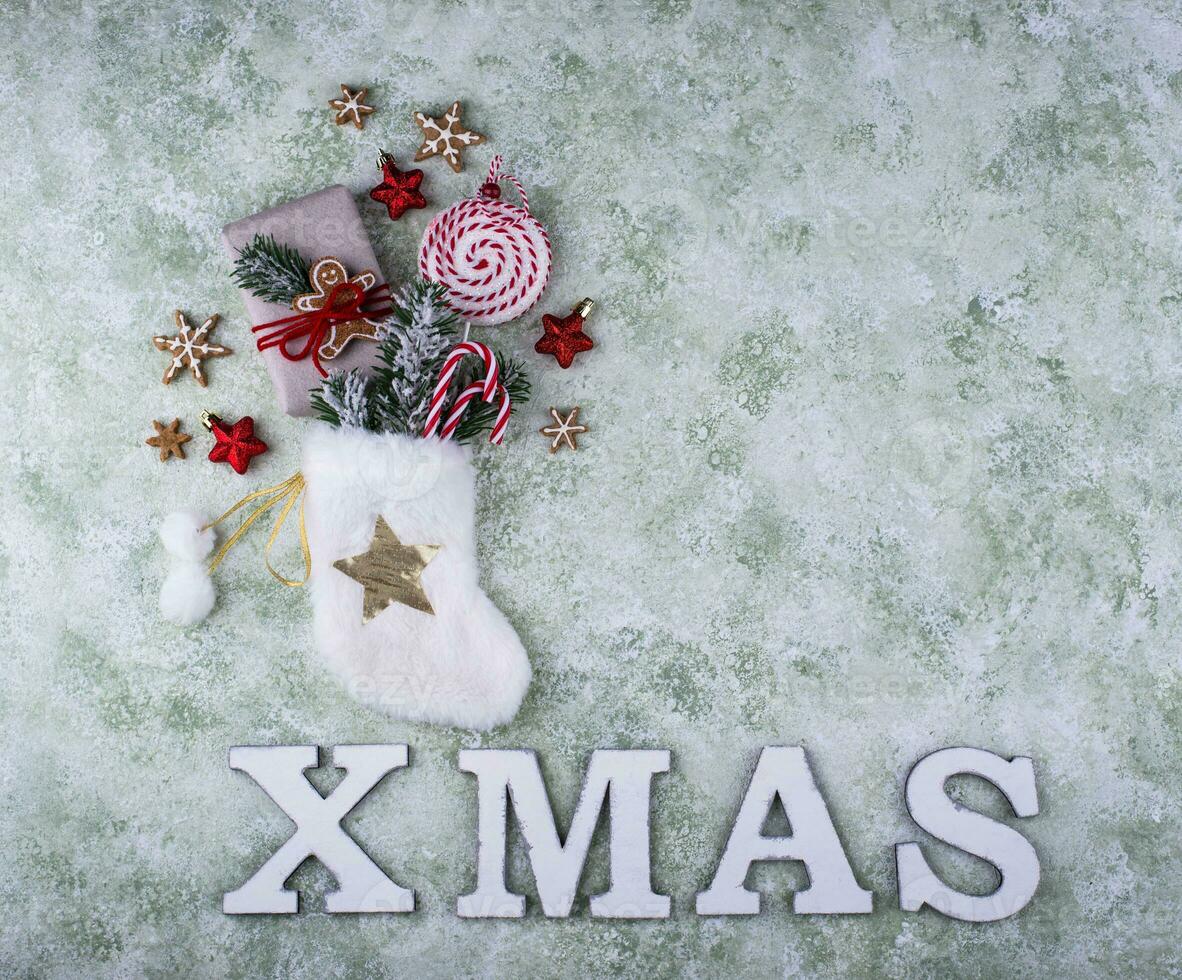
x=236, y=444
x=399, y=189
x=564, y=337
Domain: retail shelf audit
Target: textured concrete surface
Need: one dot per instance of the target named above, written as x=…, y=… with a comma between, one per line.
x=885, y=412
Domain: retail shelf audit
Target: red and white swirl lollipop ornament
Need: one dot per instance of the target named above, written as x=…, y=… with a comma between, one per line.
x=492, y=257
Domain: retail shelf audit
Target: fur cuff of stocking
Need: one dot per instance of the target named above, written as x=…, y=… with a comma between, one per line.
x=462, y=665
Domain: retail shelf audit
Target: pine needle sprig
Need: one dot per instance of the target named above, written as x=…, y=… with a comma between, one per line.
x=271, y=271
x=412, y=348
x=343, y=400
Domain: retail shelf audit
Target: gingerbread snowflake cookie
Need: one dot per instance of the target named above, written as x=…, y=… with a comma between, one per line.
x=446, y=137
x=351, y=107
x=325, y=276
x=564, y=431
x=189, y=348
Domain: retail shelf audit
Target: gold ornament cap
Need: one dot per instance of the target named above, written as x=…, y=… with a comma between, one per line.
x=584, y=307
x=208, y=419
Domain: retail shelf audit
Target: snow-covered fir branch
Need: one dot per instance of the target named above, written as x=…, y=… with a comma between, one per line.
x=424, y=335
x=412, y=346
x=270, y=270
x=347, y=395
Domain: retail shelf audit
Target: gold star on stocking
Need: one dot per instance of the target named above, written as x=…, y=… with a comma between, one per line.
x=351, y=107
x=446, y=137
x=389, y=572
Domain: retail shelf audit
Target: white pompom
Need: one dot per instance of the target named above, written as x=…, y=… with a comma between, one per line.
x=187, y=595
x=182, y=534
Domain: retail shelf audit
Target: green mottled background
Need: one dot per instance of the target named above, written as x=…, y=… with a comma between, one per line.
x=885, y=411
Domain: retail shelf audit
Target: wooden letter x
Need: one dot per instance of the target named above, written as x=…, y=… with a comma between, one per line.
x=279, y=770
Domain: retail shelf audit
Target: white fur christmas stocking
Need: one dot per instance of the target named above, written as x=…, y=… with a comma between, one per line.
x=436, y=649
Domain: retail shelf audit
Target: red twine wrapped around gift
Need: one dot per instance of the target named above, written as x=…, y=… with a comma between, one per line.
x=346, y=302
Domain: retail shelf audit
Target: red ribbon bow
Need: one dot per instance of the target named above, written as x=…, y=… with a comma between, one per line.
x=369, y=304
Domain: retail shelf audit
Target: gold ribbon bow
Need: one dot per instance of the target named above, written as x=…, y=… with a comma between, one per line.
x=286, y=493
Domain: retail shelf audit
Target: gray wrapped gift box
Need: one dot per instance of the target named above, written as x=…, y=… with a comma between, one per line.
x=324, y=223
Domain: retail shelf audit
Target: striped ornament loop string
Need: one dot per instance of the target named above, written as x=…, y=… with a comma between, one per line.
x=495, y=177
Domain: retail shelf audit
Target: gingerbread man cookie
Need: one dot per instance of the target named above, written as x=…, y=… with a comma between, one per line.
x=325, y=275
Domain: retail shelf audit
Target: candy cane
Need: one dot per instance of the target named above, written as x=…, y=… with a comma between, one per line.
x=488, y=386
x=461, y=405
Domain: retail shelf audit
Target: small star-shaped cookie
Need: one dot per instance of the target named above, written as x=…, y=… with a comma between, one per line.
x=352, y=107
x=564, y=429
x=445, y=136
x=190, y=347
x=389, y=572
x=399, y=189
x=168, y=439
